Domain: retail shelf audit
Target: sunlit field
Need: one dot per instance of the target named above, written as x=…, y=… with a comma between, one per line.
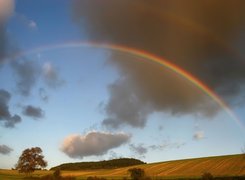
x=223, y=166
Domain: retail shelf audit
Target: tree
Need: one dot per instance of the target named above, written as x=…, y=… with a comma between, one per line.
x=31, y=160
x=137, y=173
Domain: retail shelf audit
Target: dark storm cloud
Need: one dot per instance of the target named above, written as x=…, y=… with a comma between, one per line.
x=27, y=73
x=147, y=88
x=5, y=149
x=35, y=112
x=5, y=115
x=92, y=144
x=6, y=10
x=199, y=36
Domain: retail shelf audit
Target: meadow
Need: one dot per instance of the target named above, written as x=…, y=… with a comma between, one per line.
x=219, y=166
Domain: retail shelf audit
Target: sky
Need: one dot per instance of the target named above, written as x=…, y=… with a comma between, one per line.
x=96, y=80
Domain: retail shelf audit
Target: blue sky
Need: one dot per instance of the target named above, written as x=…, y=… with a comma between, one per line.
x=85, y=104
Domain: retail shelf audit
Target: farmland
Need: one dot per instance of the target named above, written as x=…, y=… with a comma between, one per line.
x=231, y=165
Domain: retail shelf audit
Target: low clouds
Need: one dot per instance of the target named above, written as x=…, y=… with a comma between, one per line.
x=51, y=76
x=29, y=23
x=92, y=143
x=5, y=115
x=5, y=149
x=34, y=112
x=185, y=33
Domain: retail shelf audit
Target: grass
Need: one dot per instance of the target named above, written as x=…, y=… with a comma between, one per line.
x=232, y=165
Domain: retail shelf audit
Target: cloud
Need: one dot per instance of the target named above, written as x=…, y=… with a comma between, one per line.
x=160, y=128
x=139, y=149
x=27, y=73
x=92, y=143
x=167, y=145
x=5, y=115
x=145, y=88
x=6, y=10
x=187, y=34
x=32, y=24
x=51, y=76
x=5, y=149
x=10, y=123
x=35, y=112
x=198, y=135
x=29, y=23
x=43, y=94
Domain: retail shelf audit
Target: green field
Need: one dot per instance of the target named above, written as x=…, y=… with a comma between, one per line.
x=232, y=165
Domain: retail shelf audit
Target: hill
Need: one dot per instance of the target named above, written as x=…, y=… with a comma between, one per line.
x=230, y=165
x=110, y=164
x=222, y=166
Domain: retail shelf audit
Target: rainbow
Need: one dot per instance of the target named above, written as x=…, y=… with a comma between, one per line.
x=145, y=55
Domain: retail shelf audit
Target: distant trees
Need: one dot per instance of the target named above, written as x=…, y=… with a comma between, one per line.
x=31, y=160
x=110, y=164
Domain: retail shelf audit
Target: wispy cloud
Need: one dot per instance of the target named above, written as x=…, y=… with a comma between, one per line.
x=138, y=149
x=29, y=23
x=92, y=143
x=43, y=94
x=198, y=135
x=32, y=24
x=51, y=76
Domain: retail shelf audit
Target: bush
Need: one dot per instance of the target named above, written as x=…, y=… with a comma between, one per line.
x=207, y=176
x=56, y=174
x=95, y=178
x=137, y=173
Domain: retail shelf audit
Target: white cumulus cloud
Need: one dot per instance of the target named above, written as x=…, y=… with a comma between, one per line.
x=93, y=143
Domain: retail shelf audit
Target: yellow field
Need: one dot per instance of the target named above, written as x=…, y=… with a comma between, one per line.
x=233, y=165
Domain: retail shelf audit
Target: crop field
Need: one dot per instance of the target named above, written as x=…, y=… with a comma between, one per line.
x=232, y=165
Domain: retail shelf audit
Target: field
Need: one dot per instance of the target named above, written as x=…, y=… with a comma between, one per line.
x=232, y=165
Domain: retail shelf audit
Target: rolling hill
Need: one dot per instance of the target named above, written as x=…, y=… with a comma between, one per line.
x=230, y=165
x=222, y=166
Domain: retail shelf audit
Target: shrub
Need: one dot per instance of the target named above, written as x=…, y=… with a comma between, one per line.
x=56, y=174
x=95, y=178
x=137, y=173
x=207, y=176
